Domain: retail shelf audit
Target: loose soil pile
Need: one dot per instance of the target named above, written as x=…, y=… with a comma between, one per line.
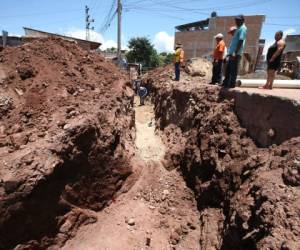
x=66, y=133
x=248, y=197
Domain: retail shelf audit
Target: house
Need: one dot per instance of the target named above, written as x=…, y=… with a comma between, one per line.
x=198, y=38
x=31, y=34
x=290, y=64
x=85, y=44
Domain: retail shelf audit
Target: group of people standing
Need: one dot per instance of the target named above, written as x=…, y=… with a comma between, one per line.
x=226, y=61
x=231, y=57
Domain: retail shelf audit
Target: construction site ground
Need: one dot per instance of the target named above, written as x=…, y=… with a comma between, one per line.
x=158, y=210
x=84, y=166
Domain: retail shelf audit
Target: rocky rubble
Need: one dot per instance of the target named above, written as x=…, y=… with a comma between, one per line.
x=248, y=197
x=66, y=132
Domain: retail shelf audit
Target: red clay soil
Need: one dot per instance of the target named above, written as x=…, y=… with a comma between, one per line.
x=248, y=197
x=66, y=127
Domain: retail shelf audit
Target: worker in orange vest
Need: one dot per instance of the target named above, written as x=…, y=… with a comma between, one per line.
x=219, y=56
x=178, y=60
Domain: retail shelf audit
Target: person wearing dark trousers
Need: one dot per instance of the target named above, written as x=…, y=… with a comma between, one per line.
x=231, y=71
x=177, y=71
x=142, y=94
x=235, y=52
x=218, y=59
x=217, y=72
x=178, y=60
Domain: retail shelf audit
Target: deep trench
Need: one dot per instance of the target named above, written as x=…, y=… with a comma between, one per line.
x=222, y=186
x=45, y=200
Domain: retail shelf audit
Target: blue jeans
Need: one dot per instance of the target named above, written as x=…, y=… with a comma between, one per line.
x=177, y=71
x=232, y=69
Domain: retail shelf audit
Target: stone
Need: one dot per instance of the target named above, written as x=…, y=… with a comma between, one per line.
x=162, y=210
x=3, y=141
x=191, y=225
x=61, y=124
x=10, y=186
x=148, y=241
x=166, y=192
x=19, y=139
x=66, y=226
x=178, y=230
x=19, y=91
x=271, y=133
x=174, y=238
x=67, y=126
x=184, y=229
x=26, y=71
x=16, y=128
x=131, y=222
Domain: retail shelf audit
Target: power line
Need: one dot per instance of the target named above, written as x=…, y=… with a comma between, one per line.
x=175, y=6
x=109, y=17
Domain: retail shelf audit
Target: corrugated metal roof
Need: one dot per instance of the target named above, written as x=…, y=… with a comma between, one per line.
x=93, y=45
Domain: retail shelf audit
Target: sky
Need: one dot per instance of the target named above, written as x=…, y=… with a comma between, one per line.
x=154, y=19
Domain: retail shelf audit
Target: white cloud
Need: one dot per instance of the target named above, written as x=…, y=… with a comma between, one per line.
x=286, y=32
x=14, y=34
x=94, y=36
x=289, y=31
x=79, y=33
x=163, y=42
x=109, y=44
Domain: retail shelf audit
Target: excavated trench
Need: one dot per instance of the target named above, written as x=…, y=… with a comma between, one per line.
x=68, y=159
x=241, y=189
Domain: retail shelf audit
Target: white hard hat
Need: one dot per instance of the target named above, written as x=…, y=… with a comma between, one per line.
x=232, y=28
x=220, y=35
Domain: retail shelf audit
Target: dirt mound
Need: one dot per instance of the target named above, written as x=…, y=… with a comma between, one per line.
x=248, y=197
x=65, y=140
x=199, y=67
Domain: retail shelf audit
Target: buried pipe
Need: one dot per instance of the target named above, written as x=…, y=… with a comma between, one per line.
x=254, y=83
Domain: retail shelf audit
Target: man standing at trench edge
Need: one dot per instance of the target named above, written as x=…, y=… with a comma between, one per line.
x=218, y=59
x=178, y=60
x=235, y=52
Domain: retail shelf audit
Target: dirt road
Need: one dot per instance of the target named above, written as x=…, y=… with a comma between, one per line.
x=159, y=212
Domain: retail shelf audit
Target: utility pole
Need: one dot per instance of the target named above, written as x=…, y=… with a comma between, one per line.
x=88, y=22
x=119, y=29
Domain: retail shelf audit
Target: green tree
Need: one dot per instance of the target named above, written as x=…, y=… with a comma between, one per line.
x=142, y=51
x=112, y=49
x=166, y=58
